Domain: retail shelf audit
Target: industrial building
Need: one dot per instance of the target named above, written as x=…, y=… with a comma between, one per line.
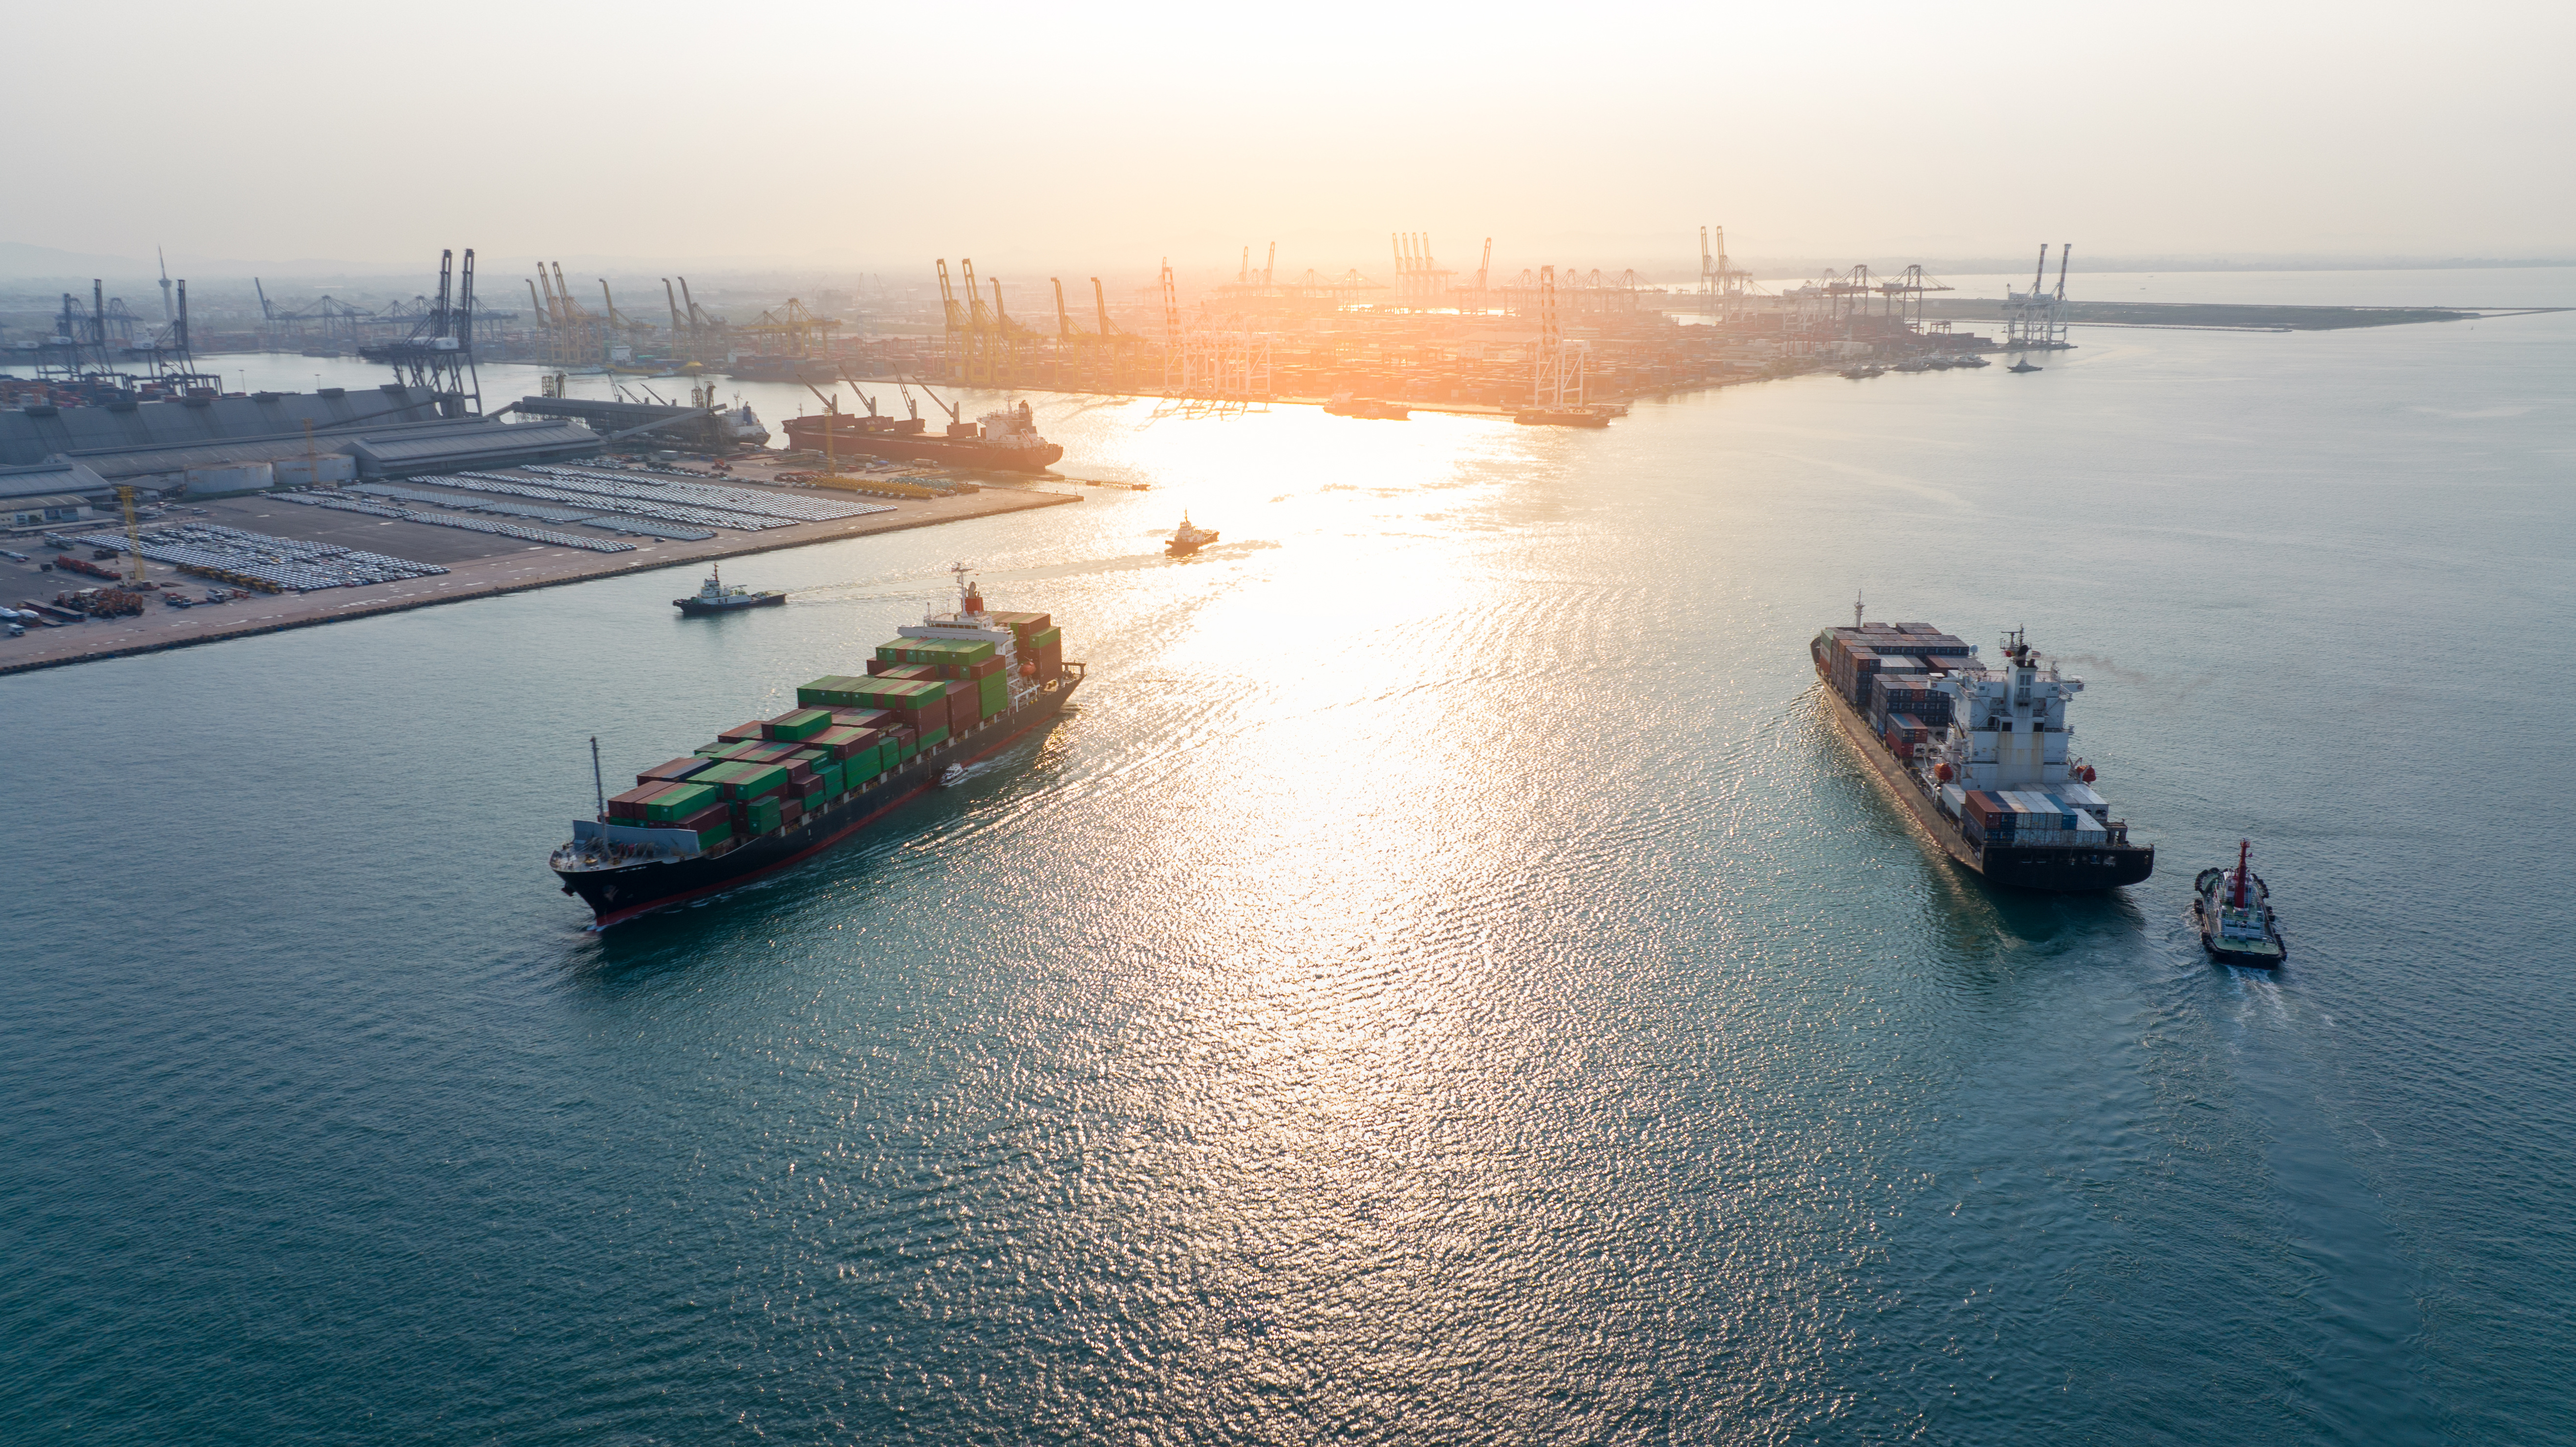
x=211, y=446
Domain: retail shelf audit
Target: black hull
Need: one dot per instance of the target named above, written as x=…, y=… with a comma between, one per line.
x=692, y=608
x=618, y=895
x=2241, y=959
x=2052, y=869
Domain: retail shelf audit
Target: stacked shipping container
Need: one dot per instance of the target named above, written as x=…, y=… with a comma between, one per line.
x=2026, y=816
x=1856, y=658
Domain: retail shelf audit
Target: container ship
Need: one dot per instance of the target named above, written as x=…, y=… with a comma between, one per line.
x=1979, y=756
x=765, y=794
x=1006, y=441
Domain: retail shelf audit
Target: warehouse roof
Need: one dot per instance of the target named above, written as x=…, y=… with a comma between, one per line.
x=45, y=479
x=32, y=434
x=474, y=442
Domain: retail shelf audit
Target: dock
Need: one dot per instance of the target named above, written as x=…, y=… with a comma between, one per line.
x=478, y=565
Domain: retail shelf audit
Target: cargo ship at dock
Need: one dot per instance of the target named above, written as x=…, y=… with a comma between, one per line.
x=1005, y=441
x=953, y=689
x=1979, y=756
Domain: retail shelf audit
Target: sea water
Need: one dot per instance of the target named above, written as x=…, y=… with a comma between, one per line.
x=1447, y=979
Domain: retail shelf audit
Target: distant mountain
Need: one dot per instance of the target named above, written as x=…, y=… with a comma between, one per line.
x=19, y=260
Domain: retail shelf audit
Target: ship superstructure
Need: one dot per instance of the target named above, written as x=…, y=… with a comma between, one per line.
x=1981, y=755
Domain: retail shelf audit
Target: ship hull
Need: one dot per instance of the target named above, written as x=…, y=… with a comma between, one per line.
x=920, y=447
x=2272, y=953
x=699, y=608
x=618, y=895
x=2054, y=869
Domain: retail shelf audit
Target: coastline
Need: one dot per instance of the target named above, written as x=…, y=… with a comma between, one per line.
x=161, y=629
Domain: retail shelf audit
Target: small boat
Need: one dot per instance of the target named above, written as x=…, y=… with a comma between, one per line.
x=1862, y=374
x=2023, y=365
x=1970, y=361
x=2234, y=910
x=952, y=776
x=716, y=596
x=1915, y=364
x=1939, y=364
x=1187, y=539
x=1346, y=405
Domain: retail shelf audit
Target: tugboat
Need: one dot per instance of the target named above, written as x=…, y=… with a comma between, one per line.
x=1344, y=404
x=1187, y=539
x=715, y=596
x=2022, y=364
x=1970, y=361
x=2234, y=909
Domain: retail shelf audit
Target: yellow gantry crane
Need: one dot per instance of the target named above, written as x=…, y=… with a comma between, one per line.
x=133, y=535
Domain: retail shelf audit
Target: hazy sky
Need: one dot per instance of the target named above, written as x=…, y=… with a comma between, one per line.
x=1112, y=135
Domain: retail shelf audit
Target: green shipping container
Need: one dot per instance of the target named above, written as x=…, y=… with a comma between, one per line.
x=996, y=695
x=834, y=690
x=674, y=805
x=721, y=775
x=860, y=768
x=801, y=725
x=764, y=815
x=934, y=737
x=905, y=750
x=710, y=838
x=1047, y=639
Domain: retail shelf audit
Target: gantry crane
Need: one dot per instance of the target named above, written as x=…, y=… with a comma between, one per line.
x=133, y=535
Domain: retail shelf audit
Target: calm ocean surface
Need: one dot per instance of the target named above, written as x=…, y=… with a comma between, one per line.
x=1448, y=980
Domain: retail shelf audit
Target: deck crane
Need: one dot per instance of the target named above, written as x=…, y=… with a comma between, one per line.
x=854, y=388
x=954, y=421
x=1481, y=266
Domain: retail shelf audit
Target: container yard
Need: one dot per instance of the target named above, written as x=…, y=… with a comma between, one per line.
x=237, y=566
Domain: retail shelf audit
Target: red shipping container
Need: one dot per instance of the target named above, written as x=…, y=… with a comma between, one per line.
x=985, y=669
x=749, y=733
x=799, y=775
x=630, y=805
x=877, y=667
x=863, y=718
x=674, y=771
x=708, y=817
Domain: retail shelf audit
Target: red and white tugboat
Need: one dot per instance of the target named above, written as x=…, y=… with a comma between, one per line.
x=2234, y=909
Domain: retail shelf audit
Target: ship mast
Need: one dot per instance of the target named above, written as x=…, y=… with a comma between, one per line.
x=2244, y=869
